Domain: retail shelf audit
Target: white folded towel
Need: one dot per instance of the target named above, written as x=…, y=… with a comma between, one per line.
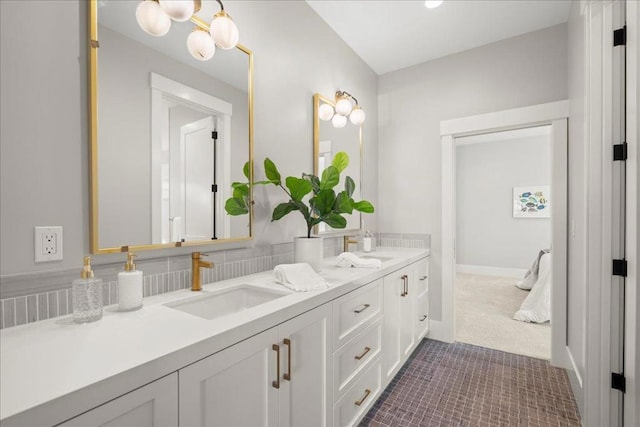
x=347, y=259
x=300, y=277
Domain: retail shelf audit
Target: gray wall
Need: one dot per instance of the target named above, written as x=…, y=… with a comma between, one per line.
x=526, y=70
x=487, y=234
x=44, y=123
x=576, y=290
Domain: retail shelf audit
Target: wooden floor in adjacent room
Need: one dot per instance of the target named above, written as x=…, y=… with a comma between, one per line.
x=464, y=385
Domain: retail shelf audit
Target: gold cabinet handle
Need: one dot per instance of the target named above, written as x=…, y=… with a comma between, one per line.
x=405, y=291
x=364, y=353
x=424, y=317
x=367, y=392
x=423, y=277
x=276, y=383
x=362, y=309
x=287, y=376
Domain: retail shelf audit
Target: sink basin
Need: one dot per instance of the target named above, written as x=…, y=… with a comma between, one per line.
x=227, y=301
x=381, y=258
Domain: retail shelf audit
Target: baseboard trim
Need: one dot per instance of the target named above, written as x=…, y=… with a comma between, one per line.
x=483, y=270
x=575, y=380
x=439, y=331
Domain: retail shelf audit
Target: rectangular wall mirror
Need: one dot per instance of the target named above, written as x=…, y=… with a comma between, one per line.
x=329, y=140
x=169, y=134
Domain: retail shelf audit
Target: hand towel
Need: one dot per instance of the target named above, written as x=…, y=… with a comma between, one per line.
x=347, y=259
x=300, y=277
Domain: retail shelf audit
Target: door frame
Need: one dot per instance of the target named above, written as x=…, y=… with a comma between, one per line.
x=556, y=115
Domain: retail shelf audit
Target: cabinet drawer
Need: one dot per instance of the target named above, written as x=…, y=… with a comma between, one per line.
x=422, y=281
x=353, y=311
x=359, y=398
x=355, y=357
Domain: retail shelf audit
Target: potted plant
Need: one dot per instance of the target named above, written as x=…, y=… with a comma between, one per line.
x=314, y=197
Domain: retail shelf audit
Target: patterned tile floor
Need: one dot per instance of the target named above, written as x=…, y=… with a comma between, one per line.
x=463, y=385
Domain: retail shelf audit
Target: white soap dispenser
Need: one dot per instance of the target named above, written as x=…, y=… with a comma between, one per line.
x=129, y=286
x=367, y=241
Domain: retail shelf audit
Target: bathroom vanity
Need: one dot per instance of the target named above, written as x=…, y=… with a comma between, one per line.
x=274, y=357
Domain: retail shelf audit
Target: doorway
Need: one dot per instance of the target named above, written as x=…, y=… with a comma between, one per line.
x=503, y=240
x=555, y=116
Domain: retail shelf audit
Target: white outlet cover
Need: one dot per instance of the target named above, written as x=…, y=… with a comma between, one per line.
x=48, y=243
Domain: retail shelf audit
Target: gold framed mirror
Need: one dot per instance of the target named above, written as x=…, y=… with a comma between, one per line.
x=168, y=134
x=329, y=140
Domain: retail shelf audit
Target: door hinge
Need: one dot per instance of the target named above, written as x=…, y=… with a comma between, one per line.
x=618, y=382
x=620, y=36
x=214, y=135
x=620, y=267
x=214, y=188
x=620, y=151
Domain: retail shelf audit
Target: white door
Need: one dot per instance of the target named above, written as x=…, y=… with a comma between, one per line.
x=198, y=175
x=305, y=373
x=154, y=405
x=233, y=387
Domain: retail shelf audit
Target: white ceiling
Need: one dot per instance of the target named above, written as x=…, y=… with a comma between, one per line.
x=390, y=35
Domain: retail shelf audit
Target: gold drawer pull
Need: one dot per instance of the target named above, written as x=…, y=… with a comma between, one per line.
x=364, y=353
x=362, y=309
x=367, y=392
x=424, y=278
x=276, y=383
x=287, y=376
x=424, y=317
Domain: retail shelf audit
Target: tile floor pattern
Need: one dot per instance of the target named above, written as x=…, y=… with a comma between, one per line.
x=464, y=385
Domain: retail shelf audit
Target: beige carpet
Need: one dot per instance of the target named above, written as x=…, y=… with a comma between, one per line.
x=484, y=309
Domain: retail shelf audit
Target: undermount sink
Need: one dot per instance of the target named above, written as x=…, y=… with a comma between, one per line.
x=227, y=301
x=381, y=258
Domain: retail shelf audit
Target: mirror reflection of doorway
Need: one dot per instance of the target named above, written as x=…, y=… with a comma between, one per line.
x=503, y=230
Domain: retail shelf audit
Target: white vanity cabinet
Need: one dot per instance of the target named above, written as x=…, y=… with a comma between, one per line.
x=279, y=377
x=153, y=405
x=422, y=300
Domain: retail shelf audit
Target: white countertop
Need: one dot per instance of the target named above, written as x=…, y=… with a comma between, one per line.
x=57, y=366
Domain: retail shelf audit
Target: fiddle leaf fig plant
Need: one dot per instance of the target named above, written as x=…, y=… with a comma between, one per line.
x=323, y=203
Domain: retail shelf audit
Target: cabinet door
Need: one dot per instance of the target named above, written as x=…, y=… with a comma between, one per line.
x=407, y=312
x=233, y=387
x=305, y=374
x=393, y=287
x=155, y=404
x=422, y=301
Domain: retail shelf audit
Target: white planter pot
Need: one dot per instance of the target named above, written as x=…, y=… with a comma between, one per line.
x=308, y=250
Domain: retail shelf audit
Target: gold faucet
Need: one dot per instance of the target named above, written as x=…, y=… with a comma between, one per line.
x=347, y=240
x=196, y=264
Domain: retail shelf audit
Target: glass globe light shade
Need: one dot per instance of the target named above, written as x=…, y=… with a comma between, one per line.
x=343, y=106
x=325, y=112
x=357, y=116
x=152, y=19
x=201, y=45
x=224, y=31
x=178, y=10
x=338, y=121
x=432, y=4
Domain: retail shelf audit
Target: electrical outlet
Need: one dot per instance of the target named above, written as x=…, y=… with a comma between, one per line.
x=48, y=244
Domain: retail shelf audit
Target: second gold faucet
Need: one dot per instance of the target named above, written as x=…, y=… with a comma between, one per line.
x=196, y=264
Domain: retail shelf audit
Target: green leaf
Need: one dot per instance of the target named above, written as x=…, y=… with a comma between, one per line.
x=236, y=206
x=271, y=171
x=314, y=180
x=335, y=220
x=245, y=170
x=343, y=203
x=298, y=187
x=340, y=161
x=363, y=206
x=330, y=178
x=322, y=203
x=240, y=189
x=264, y=182
x=283, y=209
x=349, y=186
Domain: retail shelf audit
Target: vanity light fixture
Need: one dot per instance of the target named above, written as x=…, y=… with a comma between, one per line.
x=155, y=16
x=346, y=106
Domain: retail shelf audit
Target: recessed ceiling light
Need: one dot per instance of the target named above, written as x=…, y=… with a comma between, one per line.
x=432, y=4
